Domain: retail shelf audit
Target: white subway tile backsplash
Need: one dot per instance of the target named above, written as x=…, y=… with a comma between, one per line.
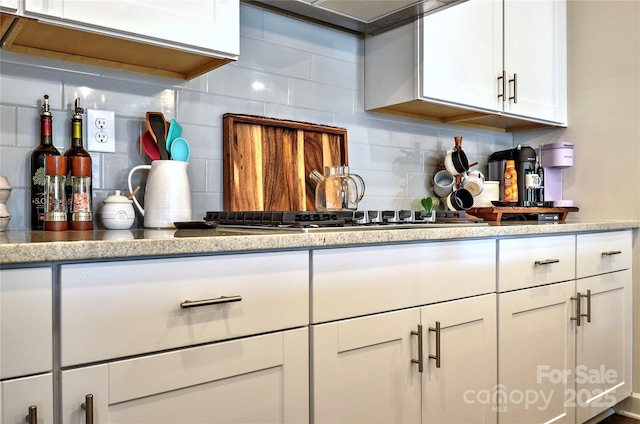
x=330, y=71
x=288, y=69
x=280, y=29
x=274, y=58
x=24, y=85
x=307, y=94
x=8, y=122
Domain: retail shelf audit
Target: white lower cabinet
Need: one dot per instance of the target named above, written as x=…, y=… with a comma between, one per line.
x=26, y=344
x=27, y=397
x=212, y=339
x=564, y=347
x=371, y=308
x=372, y=369
x=604, y=343
x=362, y=370
x=256, y=379
x=536, y=336
x=460, y=358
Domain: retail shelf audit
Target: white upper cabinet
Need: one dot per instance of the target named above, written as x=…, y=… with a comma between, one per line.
x=485, y=63
x=193, y=24
x=9, y=5
x=175, y=39
x=535, y=59
x=457, y=67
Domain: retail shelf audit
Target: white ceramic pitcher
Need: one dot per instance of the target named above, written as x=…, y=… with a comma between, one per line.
x=167, y=197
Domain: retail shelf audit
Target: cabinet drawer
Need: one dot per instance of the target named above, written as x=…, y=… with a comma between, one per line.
x=25, y=322
x=116, y=309
x=598, y=253
x=534, y=261
x=253, y=379
x=356, y=281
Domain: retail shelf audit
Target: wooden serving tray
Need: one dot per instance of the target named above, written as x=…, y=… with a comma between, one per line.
x=495, y=213
x=267, y=161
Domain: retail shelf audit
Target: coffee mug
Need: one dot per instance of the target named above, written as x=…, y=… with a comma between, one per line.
x=474, y=182
x=443, y=183
x=456, y=162
x=459, y=200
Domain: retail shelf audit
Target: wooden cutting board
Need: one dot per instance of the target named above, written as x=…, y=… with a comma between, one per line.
x=267, y=161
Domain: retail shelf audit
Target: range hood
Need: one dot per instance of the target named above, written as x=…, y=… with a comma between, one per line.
x=363, y=16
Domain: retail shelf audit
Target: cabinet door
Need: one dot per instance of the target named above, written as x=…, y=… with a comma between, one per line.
x=460, y=388
x=536, y=339
x=603, y=357
x=535, y=51
x=201, y=24
x=362, y=370
x=257, y=379
x=461, y=54
x=18, y=395
x=25, y=321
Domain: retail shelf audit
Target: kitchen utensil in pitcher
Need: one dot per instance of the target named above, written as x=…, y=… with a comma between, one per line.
x=150, y=146
x=167, y=197
x=157, y=126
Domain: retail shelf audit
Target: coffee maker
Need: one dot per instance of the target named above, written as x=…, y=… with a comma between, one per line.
x=555, y=157
x=525, y=161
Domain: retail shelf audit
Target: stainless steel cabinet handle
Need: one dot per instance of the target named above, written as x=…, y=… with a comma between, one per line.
x=515, y=88
x=501, y=85
x=612, y=252
x=207, y=302
x=87, y=405
x=547, y=262
x=578, y=316
x=437, y=355
x=588, y=296
x=32, y=418
x=419, y=361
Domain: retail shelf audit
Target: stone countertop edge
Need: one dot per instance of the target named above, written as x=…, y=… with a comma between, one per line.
x=22, y=247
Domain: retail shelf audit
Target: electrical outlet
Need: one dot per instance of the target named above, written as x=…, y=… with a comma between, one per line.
x=101, y=131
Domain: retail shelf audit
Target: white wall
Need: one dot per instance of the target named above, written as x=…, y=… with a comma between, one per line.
x=604, y=120
x=288, y=69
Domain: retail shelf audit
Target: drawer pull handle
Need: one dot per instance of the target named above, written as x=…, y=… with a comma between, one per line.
x=207, y=302
x=578, y=316
x=612, y=252
x=437, y=355
x=419, y=361
x=547, y=262
x=32, y=418
x=588, y=314
x=87, y=405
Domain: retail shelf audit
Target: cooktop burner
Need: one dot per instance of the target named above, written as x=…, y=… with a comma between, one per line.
x=341, y=219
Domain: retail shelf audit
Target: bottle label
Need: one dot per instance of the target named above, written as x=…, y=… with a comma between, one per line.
x=532, y=181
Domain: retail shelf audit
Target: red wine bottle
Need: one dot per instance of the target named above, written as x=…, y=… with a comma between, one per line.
x=45, y=148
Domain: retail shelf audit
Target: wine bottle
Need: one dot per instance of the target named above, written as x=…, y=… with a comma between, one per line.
x=82, y=221
x=43, y=149
x=540, y=171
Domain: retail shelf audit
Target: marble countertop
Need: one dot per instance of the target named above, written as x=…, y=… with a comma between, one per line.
x=18, y=247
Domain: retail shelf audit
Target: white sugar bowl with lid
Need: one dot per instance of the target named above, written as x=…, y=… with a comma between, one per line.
x=117, y=212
